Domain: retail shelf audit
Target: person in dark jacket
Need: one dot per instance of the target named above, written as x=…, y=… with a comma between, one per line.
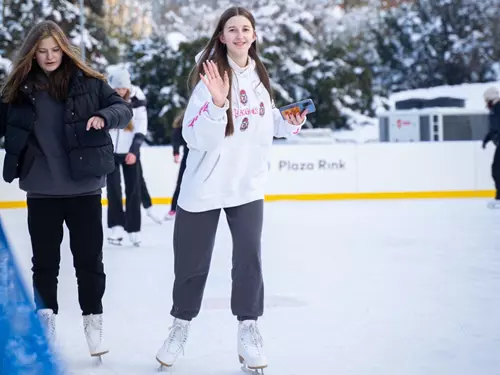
x=55, y=114
x=492, y=99
x=177, y=142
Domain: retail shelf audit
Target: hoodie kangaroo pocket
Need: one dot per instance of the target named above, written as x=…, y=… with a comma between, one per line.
x=212, y=169
x=205, y=176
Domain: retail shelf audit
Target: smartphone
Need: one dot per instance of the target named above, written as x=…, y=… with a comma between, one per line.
x=298, y=108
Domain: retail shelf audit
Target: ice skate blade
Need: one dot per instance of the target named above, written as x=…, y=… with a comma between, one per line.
x=99, y=354
x=116, y=242
x=258, y=371
x=254, y=369
x=163, y=366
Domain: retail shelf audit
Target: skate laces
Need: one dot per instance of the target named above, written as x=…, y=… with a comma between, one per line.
x=177, y=337
x=48, y=322
x=252, y=331
x=92, y=322
x=52, y=326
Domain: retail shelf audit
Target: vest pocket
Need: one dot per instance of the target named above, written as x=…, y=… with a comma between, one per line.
x=91, y=162
x=27, y=161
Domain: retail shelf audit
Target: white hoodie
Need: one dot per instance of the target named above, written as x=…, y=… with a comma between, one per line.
x=229, y=171
x=122, y=139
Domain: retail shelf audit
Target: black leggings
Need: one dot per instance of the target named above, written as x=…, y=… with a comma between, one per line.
x=131, y=218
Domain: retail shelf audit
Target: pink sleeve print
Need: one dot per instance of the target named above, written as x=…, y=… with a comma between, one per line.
x=204, y=108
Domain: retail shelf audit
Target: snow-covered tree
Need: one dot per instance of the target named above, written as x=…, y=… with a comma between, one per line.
x=18, y=18
x=161, y=68
x=285, y=30
x=306, y=56
x=125, y=21
x=435, y=42
x=343, y=59
x=21, y=15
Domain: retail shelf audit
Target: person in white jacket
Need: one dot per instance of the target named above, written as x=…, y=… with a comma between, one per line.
x=127, y=143
x=229, y=125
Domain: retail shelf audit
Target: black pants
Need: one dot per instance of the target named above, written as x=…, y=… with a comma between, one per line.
x=495, y=171
x=145, y=196
x=194, y=238
x=131, y=218
x=83, y=217
x=182, y=168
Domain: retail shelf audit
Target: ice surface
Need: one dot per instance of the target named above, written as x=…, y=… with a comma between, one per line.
x=352, y=287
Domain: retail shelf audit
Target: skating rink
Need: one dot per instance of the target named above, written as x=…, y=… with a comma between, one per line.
x=383, y=287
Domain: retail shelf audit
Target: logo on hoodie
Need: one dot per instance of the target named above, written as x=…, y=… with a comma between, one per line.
x=243, y=97
x=244, y=124
x=262, y=109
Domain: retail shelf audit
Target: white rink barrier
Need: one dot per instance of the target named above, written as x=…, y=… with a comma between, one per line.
x=339, y=171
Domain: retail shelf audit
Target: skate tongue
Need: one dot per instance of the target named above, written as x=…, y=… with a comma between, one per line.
x=249, y=323
x=182, y=322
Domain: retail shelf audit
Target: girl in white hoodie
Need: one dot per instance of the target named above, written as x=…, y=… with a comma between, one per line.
x=229, y=125
x=127, y=144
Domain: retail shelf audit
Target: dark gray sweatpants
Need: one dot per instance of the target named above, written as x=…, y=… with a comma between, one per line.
x=194, y=238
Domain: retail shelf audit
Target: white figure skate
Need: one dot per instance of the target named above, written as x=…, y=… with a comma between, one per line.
x=48, y=321
x=250, y=347
x=135, y=239
x=174, y=344
x=152, y=215
x=92, y=326
x=116, y=236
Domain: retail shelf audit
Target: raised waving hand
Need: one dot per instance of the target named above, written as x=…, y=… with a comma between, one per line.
x=217, y=85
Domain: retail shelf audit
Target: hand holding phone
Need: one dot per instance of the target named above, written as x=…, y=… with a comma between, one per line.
x=297, y=108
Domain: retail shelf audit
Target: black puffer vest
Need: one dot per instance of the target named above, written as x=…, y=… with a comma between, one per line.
x=90, y=152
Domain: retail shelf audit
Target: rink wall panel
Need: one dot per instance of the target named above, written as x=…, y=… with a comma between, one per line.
x=321, y=172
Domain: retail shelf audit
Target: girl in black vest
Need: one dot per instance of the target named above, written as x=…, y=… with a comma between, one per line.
x=55, y=115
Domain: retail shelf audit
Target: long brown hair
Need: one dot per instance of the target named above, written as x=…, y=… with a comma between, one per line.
x=25, y=64
x=217, y=51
